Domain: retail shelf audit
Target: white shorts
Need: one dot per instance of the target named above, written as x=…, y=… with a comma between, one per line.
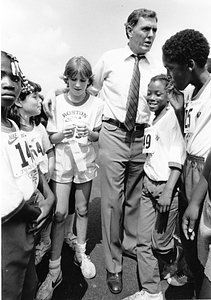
x=66, y=170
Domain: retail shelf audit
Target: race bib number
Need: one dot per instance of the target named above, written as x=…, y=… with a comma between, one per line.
x=21, y=158
x=36, y=150
x=190, y=117
x=149, y=140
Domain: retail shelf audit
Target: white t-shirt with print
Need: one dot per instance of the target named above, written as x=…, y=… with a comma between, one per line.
x=64, y=111
x=197, y=126
x=19, y=174
x=165, y=147
x=39, y=144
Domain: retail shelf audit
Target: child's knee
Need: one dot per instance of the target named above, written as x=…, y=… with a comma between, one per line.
x=82, y=210
x=60, y=217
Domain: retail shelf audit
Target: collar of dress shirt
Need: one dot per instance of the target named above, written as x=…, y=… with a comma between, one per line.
x=128, y=53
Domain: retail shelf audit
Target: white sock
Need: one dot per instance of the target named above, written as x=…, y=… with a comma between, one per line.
x=55, y=266
x=80, y=250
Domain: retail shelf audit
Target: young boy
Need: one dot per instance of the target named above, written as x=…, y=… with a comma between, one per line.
x=185, y=56
x=201, y=198
x=165, y=150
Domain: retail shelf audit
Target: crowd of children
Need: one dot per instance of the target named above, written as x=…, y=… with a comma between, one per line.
x=49, y=170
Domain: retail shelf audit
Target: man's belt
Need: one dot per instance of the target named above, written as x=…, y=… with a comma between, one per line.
x=138, y=127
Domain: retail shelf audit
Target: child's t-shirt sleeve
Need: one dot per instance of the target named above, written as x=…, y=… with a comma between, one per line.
x=177, y=151
x=99, y=115
x=45, y=138
x=11, y=196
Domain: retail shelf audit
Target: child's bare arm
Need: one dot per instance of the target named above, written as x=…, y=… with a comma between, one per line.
x=47, y=203
x=164, y=201
x=192, y=212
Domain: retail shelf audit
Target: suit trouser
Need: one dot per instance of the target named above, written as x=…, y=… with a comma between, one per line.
x=155, y=234
x=121, y=170
x=192, y=171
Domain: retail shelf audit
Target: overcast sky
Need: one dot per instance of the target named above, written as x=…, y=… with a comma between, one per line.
x=45, y=34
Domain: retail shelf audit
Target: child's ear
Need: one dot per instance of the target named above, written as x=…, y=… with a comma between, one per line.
x=18, y=102
x=191, y=64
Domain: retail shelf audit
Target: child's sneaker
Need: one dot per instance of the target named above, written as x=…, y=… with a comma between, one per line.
x=45, y=292
x=179, y=279
x=87, y=267
x=71, y=240
x=84, y=262
x=41, y=250
x=144, y=295
x=170, y=269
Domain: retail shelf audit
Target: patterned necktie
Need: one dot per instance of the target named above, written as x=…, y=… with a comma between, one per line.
x=133, y=96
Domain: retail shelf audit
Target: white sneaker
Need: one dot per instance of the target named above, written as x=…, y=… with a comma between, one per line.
x=87, y=267
x=45, y=292
x=144, y=295
x=179, y=279
x=41, y=250
x=71, y=240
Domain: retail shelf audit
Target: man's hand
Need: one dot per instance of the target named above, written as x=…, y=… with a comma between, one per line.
x=49, y=103
x=50, y=100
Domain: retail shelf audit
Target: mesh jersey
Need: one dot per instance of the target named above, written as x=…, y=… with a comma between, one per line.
x=198, y=121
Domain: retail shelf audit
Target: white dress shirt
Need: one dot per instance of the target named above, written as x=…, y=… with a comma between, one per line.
x=112, y=77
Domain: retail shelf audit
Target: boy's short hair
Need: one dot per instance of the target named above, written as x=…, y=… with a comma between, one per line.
x=187, y=44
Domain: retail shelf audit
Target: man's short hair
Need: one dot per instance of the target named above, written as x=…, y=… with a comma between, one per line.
x=185, y=45
x=135, y=16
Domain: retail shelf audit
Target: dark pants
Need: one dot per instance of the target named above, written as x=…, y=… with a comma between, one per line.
x=19, y=278
x=155, y=234
x=192, y=171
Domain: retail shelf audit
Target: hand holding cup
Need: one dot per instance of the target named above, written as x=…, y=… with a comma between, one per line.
x=69, y=130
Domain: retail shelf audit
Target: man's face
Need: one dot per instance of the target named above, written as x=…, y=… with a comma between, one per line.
x=179, y=73
x=10, y=83
x=141, y=37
